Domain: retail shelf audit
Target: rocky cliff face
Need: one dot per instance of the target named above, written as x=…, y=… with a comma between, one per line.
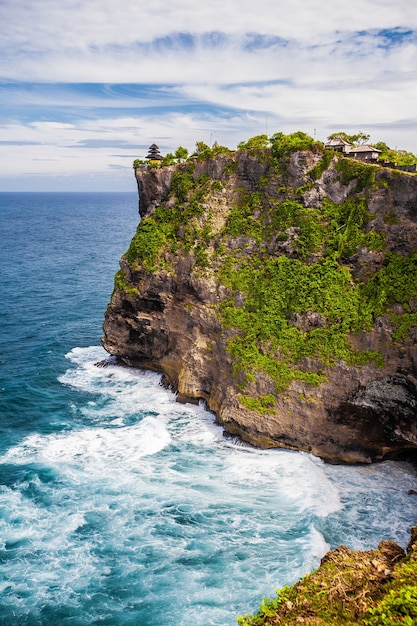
x=281, y=288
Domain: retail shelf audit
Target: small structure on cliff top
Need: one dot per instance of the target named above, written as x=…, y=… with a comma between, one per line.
x=338, y=144
x=362, y=152
x=154, y=154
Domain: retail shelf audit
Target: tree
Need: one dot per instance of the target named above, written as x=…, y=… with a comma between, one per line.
x=169, y=159
x=218, y=149
x=258, y=142
x=382, y=146
x=400, y=157
x=281, y=143
x=203, y=151
x=200, y=146
x=357, y=140
x=181, y=154
x=361, y=138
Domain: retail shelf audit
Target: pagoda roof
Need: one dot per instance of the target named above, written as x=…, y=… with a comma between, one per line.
x=154, y=153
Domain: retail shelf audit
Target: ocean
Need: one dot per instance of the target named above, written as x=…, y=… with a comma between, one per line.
x=119, y=506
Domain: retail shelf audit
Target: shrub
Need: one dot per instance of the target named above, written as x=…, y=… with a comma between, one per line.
x=254, y=144
x=280, y=143
x=146, y=244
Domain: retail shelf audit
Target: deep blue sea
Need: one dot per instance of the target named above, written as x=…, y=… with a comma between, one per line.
x=119, y=506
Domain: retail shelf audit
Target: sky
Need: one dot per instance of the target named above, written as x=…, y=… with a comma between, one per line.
x=87, y=85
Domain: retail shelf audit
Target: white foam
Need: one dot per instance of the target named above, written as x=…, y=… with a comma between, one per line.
x=298, y=481
x=135, y=387
x=42, y=537
x=318, y=545
x=291, y=479
x=125, y=392
x=146, y=490
x=376, y=501
x=95, y=450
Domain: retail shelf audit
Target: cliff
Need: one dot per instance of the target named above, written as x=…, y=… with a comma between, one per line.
x=279, y=286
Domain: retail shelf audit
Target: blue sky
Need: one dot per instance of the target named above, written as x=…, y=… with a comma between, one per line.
x=87, y=85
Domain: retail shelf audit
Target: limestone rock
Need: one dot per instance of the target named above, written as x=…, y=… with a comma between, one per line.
x=168, y=317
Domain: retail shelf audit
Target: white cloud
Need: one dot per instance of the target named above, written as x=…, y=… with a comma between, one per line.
x=38, y=25
x=180, y=59
x=44, y=155
x=183, y=71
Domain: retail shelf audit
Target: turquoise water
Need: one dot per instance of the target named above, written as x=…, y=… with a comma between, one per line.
x=119, y=506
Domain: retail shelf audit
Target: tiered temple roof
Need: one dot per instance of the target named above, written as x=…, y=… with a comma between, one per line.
x=154, y=153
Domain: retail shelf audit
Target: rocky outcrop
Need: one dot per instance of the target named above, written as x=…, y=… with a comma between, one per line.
x=358, y=588
x=204, y=224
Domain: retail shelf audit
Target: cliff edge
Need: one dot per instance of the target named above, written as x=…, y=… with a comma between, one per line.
x=350, y=588
x=280, y=286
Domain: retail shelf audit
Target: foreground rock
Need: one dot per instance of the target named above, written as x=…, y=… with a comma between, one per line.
x=282, y=290
x=350, y=588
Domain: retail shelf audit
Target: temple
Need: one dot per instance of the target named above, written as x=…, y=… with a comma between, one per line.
x=154, y=155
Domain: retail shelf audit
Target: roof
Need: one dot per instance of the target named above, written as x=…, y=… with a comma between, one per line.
x=364, y=148
x=154, y=154
x=338, y=141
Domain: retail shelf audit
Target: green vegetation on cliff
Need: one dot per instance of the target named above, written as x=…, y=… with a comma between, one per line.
x=300, y=260
x=293, y=302
x=170, y=229
x=279, y=292
x=351, y=588
x=400, y=157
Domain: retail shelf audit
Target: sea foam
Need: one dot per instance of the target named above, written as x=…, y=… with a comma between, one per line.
x=136, y=497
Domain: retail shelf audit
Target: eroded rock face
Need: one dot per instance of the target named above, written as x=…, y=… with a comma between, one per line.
x=167, y=319
x=154, y=186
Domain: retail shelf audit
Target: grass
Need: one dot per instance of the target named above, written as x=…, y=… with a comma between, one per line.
x=351, y=588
